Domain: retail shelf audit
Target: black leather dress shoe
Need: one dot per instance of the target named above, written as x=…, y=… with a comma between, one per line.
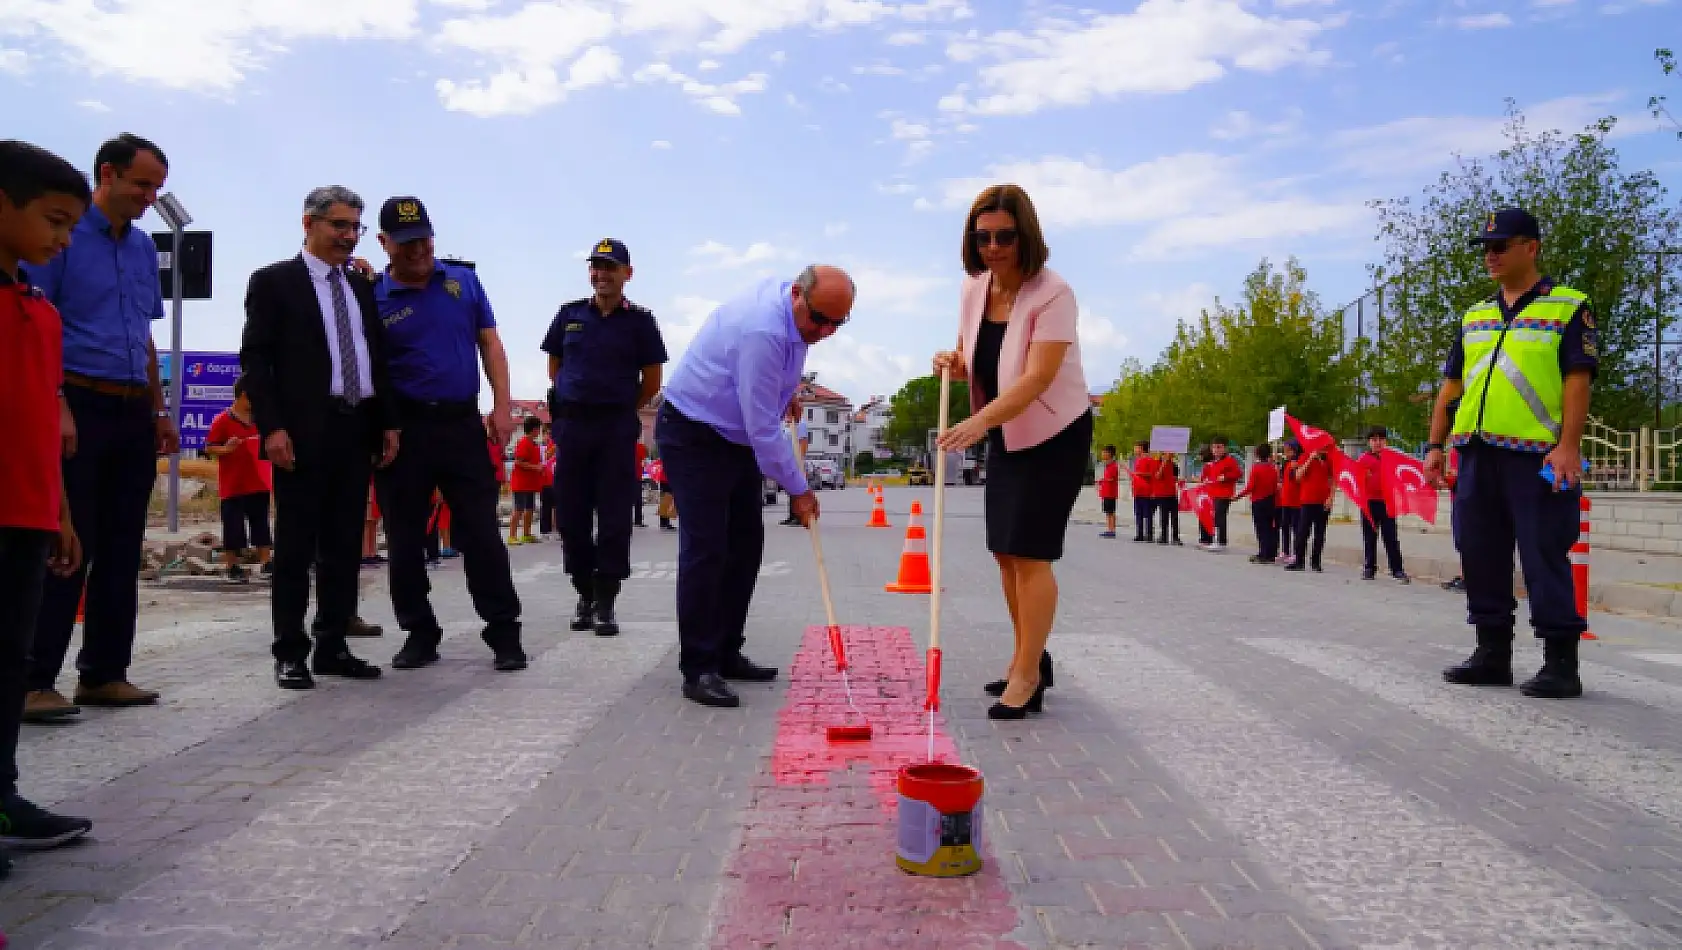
x=743, y=669
x=293, y=674
x=710, y=689
x=510, y=660
x=414, y=657
x=346, y=665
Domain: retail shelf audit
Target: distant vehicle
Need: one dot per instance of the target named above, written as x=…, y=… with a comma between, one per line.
x=888, y=473
x=918, y=475
x=823, y=473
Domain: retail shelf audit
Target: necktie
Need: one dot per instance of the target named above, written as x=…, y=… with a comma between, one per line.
x=347, y=344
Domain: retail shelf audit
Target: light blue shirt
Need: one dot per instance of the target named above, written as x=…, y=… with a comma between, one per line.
x=106, y=290
x=739, y=374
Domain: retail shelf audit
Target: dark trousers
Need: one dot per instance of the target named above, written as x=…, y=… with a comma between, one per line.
x=546, y=509
x=597, y=487
x=319, y=509
x=1218, y=536
x=638, y=519
x=245, y=522
x=1263, y=511
x=108, y=484
x=23, y=567
x=1311, y=532
x=1287, y=520
x=441, y=451
x=1501, y=502
x=721, y=538
x=1142, y=521
x=1380, y=522
x=1169, y=509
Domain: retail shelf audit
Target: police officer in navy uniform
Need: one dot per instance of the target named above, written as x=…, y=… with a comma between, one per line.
x=438, y=328
x=1521, y=368
x=605, y=357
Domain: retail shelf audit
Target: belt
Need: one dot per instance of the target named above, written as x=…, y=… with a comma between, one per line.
x=442, y=409
x=593, y=410
x=106, y=387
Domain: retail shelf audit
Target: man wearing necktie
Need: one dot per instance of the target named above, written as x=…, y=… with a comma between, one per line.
x=314, y=360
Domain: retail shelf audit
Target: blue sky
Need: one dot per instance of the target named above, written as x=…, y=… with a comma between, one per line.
x=1169, y=144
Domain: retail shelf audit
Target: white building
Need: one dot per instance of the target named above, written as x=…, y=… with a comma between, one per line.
x=870, y=427
x=829, y=423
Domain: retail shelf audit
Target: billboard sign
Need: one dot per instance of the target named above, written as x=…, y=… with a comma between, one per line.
x=207, y=388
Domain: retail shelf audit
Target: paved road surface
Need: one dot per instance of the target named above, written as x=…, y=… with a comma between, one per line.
x=1232, y=757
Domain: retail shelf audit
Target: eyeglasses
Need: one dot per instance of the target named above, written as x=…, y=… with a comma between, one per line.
x=342, y=226
x=1004, y=237
x=824, y=321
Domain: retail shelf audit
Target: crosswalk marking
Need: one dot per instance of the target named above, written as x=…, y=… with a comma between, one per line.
x=1603, y=762
x=1390, y=870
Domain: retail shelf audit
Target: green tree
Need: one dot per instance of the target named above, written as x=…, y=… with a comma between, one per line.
x=1225, y=371
x=865, y=463
x=916, y=410
x=1600, y=227
x=1661, y=111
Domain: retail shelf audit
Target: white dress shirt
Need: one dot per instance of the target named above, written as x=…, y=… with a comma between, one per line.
x=319, y=269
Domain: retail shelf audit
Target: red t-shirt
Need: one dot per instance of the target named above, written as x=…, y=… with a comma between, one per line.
x=1264, y=481
x=1144, y=477
x=31, y=371
x=1290, y=490
x=239, y=472
x=1372, y=473
x=1164, y=480
x=1221, y=477
x=1316, y=483
x=527, y=450
x=497, y=461
x=1109, y=484
x=642, y=455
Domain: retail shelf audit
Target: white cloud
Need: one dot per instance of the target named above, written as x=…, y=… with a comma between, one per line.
x=661, y=145
x=879, y=69
x=835, y=229
x=856, y=368
x=1251, y=223
x=93, y=105
x=717, y=256
x=1098, y=333
x=1162, y=46
x=708, y=65
x=725, y=26
x=883, y=290
x=714, y=97
x=1407, y=146
x=1170, y=307
x=906, y=38
x=1484, y=21
x=522, y=92
x=679, y=325
x=199, y=46
x=1238, y=125
x=13, y=61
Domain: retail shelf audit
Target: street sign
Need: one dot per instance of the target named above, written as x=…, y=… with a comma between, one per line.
x=207, y=388
x=195, y=264
x=1172, y=439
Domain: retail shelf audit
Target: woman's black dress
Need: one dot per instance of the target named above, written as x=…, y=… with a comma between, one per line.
x=1031, y=492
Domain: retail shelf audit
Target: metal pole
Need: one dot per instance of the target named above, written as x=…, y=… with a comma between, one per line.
x=175, y=374
x=1658, y=341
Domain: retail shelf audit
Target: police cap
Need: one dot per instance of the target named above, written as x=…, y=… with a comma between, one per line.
x=611, y=249
x=1506, y=223
x=404, y=219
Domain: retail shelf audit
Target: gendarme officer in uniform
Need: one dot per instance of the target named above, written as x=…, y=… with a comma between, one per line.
x=1521, y=368
x=605, y=357
x=438, y=328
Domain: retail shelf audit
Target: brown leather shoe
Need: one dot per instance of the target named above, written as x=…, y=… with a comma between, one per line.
x=117, y=693
x=47, y=705
x=362, y=628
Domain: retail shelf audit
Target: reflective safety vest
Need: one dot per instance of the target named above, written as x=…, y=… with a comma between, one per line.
x=1514, y=387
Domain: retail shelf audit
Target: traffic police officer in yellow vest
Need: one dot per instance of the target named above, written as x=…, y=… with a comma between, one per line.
x=1521, y=368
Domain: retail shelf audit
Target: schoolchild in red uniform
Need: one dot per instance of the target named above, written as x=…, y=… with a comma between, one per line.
x=1290, y=493
x=1144, y=492
x=1109, y=488
x=1262, y=489
x=1220, y=481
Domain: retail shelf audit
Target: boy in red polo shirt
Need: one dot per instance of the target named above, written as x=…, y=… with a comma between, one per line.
x=1220, y=481
x=243, y=483
x=1380, y=521
x=1262, y=489
x=526, y=483
x=1165, y=492
x=1289, y=500
x=1109, y=488
x=1144, y=493
x=41, y=198
x=1314, y=495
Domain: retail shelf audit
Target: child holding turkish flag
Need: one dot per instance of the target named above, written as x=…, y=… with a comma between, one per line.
x=1380, y=521
x=1220, y=481
x=1314, y=497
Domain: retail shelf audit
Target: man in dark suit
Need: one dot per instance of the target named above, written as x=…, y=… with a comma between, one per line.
x=315, y=367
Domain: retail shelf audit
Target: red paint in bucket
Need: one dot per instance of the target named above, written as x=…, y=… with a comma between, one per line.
x=940, y=819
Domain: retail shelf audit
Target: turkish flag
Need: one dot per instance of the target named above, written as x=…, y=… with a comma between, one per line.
x=1350, y=480
x=1410, y=493
x=1311, y=439
x=1194, y=498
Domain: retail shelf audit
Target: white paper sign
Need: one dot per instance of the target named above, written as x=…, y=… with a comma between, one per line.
x=1173, y=439
x=1276, y=424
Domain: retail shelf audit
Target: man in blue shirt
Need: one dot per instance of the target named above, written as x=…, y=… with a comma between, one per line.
x=115, y=426
x=719, y=427
x=438, y=327
x=605, y=357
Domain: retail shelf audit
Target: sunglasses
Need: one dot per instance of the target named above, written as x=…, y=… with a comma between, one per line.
x=1004, y=237
x=823, y=321
x=1500, y=247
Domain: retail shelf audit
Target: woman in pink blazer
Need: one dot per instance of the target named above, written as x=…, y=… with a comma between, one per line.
x=1018, y=347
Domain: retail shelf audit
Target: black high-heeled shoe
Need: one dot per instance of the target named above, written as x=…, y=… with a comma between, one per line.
x=1047, y=679
x=1003, y=710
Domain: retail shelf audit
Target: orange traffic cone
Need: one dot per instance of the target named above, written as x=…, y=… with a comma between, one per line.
x=1580, y=565
x=878, y=514
x=914, y=559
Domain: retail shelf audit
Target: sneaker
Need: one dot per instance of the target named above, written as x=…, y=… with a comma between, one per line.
x=27, y=826
x=1401, y=577
x=449, y=553
x=48, y=705
x=1109, y=534
x=237, y=575
x=1217, y=548
x=1459, y=583
x=1369, y=574
x=529, y=539
x=514, y=542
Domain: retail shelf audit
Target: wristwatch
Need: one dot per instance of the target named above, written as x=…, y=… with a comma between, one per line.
x=1433, y=447
x=161, y=413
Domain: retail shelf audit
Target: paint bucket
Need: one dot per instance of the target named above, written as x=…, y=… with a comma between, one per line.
x=940, y=820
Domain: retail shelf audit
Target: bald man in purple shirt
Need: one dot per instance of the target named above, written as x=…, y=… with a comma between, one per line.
x=719, y=427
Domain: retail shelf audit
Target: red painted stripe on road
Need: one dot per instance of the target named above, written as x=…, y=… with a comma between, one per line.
x=816, y=867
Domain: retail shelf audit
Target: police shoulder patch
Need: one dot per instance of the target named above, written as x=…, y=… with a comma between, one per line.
x=453, y=288
x=1591, y=344
x=1588, y=317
